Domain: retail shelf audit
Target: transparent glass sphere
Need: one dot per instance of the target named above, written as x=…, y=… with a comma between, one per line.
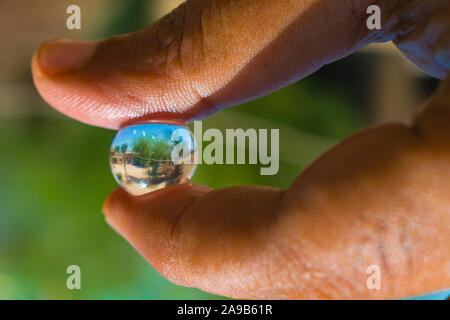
x=151, y=156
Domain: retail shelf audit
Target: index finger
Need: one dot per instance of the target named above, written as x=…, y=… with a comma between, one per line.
x=203, y=56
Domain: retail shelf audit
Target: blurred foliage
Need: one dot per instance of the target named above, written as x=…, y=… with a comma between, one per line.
x=127, y=16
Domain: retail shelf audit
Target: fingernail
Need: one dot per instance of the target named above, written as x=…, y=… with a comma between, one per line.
x=60, y=56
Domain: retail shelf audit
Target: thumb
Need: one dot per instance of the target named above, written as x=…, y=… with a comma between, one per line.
x=363, y=203
x=203, y=56
x=216, y=240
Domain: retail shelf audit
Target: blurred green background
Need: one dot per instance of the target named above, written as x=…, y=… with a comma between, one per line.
x=54, y=172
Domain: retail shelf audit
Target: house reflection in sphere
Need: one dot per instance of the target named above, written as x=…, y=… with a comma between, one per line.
x=148, y=157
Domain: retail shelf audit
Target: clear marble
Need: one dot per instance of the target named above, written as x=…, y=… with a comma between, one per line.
x=152, y=156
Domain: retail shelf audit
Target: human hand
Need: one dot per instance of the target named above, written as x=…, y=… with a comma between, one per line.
x=379, y=197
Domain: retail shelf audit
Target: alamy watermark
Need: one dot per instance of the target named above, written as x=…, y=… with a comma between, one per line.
x=214, y=148
x=374, y=280
x=73, y=21
x=374, y=20
x=74, y=279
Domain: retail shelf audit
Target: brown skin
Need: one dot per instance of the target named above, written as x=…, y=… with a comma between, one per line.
x=380, y=197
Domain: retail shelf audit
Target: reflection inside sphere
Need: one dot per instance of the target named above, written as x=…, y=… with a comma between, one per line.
x=148, y=157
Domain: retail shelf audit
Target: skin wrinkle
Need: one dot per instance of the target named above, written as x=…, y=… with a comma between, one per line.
x=202, y=29
x=243, y=63
x=415, y=18
x=405, y=245
x=165, y=39
x=395, y=20
x=182, y=8
x=270, y=282
x=247, y=77
x=180, y=215
x=381, y=244
x=192, y=48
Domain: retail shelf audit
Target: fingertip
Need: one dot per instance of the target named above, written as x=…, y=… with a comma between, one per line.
x=120, y=205
x=112, y=201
